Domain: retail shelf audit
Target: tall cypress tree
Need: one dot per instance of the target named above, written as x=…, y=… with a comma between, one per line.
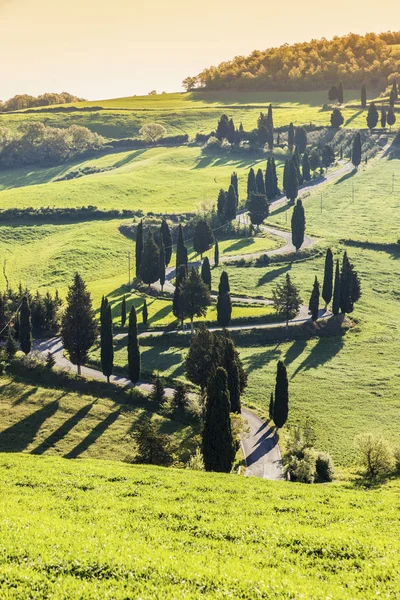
x=336, y=291
x=286, y=175
x=260, y=183
x=356, y=150
x=145, y=312
x=167, y=239
x=328, y=278
x=235, y=183
x=216, y=254
x=372, y=116
x=133, y=348
x=217, y=440
x=251, y=183
x=270, y=184
x=162, y=263
x=350, y=290
x=364, y=96
x=314, y=300
x=300, y=139
x=177, y=301
x=224, y=303
x=383, y=117
x=305, y=165
x=230, y=204
x=181, y=251
x=291, y=137
x=25, y=326
x=292, y=182
x=281, y=404
x=391, y=117
x=298, y=225
x=106, y=342
x=296, y=160
x=150, y=264
x=340, y=93
x=275, y=176
x=271, y=407
x=232, y=370
x=139, y=247
x=203, y=237
x=123, y=312
x=270, y=118
x=79, y=327
x=221, y=203
x=206, y=272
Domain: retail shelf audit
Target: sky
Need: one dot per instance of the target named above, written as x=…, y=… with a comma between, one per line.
x=100, y=49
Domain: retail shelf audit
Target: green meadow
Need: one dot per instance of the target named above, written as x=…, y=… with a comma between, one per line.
x=102, y=529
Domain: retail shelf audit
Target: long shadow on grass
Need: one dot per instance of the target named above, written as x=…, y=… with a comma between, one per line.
x=273, y=274
x=353, y=117
x=346, y=176
x=260, y=359
x=325, y=349
x=63, y=430
x=129, y=158
x=295, y=350
x=18, y=437
x=25, y=396
x=152, y=358
x=93, y=436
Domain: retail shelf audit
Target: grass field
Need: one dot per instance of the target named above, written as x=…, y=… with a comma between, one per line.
x=193, y=112
x=102, y=529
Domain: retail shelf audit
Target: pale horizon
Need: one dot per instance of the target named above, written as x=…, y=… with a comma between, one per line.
x=96, y=50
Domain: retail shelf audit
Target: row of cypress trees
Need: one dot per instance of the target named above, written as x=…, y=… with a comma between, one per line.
x=263, y=183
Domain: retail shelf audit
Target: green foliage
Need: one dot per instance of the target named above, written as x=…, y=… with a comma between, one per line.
x=356, y=150
x=221, y=202
x=206, y=272
x=300, y=139
x=230, y=204
x=305, y=165
x=181, y=251
x=201, y=357
x=145, y=312
x=216, y=254
x=340, y=93
x=286, y=299
x=203, y=237
x=314, y=300
x=154, y=448
x=195, y=296
x=324, y=468
x=251, y=183
x=372, y=116
x=374, y=456
x=291, y=180
x=364, y=96
x=133, y=347
x=167, y=239
x=162, y=263
x=391, y=117
x=328, y=277
x=178, y=307
x=224, y=303
x=217, y=442
x=328, y=156
x=336, y=291
x=350, y=290
x=337, y=118
x=106, y=342
x=281, y=396
x=258, y=208
x=260, y=183
x=11, y=348
x=25, y=326
x=298, y=225
x=157, y=394
x=150, y=263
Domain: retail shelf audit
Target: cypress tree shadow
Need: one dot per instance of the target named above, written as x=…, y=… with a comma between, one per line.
x=259, y=360
x=346, y=176
x=18, y=437
x=353, y=117
x=264, y=445
x=295, y=350
x=273, y=274
x=63, y=430
x=129, y=158
x=25, y=396
x=325, y=349
x=240, y=245
x=94, y=435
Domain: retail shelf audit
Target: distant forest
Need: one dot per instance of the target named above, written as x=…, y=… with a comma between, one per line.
x=372, y=59
x=25, y=101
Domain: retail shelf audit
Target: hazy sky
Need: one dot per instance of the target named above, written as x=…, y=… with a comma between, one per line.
x=98, y=49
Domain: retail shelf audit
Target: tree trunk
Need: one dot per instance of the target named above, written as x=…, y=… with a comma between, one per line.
x=108, y=379
x=191, y=326
x=78, y=369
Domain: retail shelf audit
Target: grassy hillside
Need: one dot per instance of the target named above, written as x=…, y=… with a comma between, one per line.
x=162, y=533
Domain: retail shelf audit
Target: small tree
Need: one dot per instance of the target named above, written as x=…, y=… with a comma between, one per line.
x=328, y=278
x=123, y=312
x=203, y=237
x=373, y=116
x=206, y=272
x=314, y=301
x=217, y=443
x=195, y=296
x=177, y=302
x=337, y=118
x=291, y=137
x=260, y=183
x=364, y=97
x=251, y=183
x=11, y=348
x=336, y=291
x=383, y=117
x=350, y=289
x=315, y=160
x=79, y=327
x=286, y=299
x=133, y=348
x=145, y=313
x=374, y=456
x=258, y=208
x=153, y=447
x=150, y=264
x=235, y=183
x=340, y=93
x=223, y=128
x=216, y=254
x=298, y=225
x=221, y=202
x=167, y=239
x=151, y=132
x=106, y=342
x=157, y=394
x=201, y=359
x=139, y=247
x=232, y=370
x=271, y=407
x=292, y=181
x=224, y=303
x=25, y=326
x=356, y=150
x=391, y=117
x=328, y=156
x=281, y=403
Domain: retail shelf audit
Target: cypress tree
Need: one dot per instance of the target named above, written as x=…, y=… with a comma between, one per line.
x=181, y=251
x=340, y=93
x=251, y=183
x=3, y=318
x=223, y=128
x=216, y=254
x=133, y=348
x=291, y=137
x=286, y=299
x=123, y=312
x=167, y=240
x=298, y=225
x=260, y=183
x=292, y=182
x=314, y=300
x=106, y=342
x=231, y=132
x=195, y=296
x=145, y=312
x=157, y=394
x=373, y=116
x=337, y=118
x=305, y=165
x=336, y=291
x=349, y=286
x=202, y=358
x=328, y=155
x=230, y=204
x=79, y=327
x=356, y=150
x=177, y=302
x=286, y=175
x=383, y=117
x=25, y=326
x=139, y=247
x=235, y=183
x=270, y=182
x=203, y=237
x=271, y=407
x=296, y=160
x=391, y=117
x=315, y=160
x=328, y=278
x=150, y=264
x=217, y=440
x=221, y=203
x=270, y=118
x=162, y=263
x=224, y=303
x=300, y=139
x=364, y=97
x=275, y=176
x=395, y=92
x=258, y=208
x=206, y=272
x=232, y=370
x=281, y=404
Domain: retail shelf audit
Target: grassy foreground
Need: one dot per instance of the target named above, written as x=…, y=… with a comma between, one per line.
x=90, y=529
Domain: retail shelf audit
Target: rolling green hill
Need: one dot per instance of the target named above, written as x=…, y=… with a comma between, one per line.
x=102, y=529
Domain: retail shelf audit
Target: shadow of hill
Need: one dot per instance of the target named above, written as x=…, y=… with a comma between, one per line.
x=18, y=437
x=325, y=349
